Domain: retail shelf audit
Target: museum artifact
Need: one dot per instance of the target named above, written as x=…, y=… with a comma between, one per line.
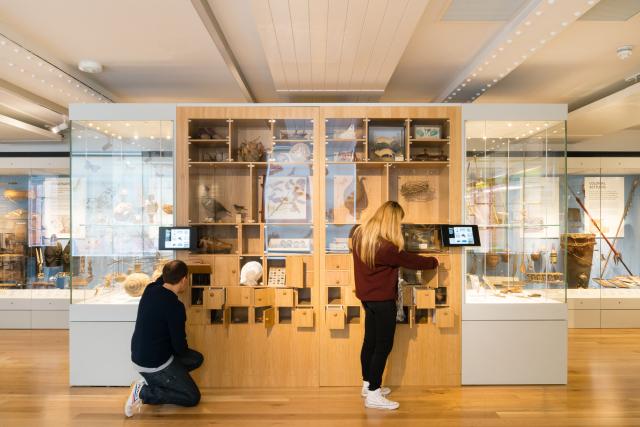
x=300, y=152
x=355, y=198
x=251, y=273
x=167, y=208
x=252, y=150
x=135, y=283
x=417, y=191
x=627, y=207
x=579, y=249
x=212, y=245
x=276, y=277
x=214, y=208
x=151, y=207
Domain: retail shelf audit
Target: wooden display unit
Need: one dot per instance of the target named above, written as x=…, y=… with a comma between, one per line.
x=302, y=324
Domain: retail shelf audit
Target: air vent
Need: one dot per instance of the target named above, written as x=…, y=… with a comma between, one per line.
x=612, y=10
x=486, y=10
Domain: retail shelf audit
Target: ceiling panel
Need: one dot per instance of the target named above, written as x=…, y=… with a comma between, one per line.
x=150, y=52
x=485, y=10
x=363, y=41
x=12, y=130
x=612, y=10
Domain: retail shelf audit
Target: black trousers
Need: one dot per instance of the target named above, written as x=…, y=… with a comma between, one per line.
x=173, y=384
x=379, y=330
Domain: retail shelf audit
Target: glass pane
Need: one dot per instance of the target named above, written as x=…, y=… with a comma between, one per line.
x=122, y=192
x=515, y=192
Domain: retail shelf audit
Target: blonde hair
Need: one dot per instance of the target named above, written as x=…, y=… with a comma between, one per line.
x=383, y=224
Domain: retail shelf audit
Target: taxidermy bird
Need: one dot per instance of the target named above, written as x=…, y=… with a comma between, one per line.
x=213, y=207
x=359, y=196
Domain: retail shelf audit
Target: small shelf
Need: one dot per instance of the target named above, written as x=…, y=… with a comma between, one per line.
x=293, y=141
x=208, y=141
x=347, y=140
x=227, y=164
x=433, y=141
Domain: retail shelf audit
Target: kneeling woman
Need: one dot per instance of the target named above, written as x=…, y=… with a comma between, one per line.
x=377, y=256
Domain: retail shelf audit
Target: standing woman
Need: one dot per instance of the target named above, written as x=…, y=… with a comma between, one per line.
x=377, y=256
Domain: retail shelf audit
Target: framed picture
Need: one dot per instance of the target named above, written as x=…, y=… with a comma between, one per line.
x=428, y=132
x=386, y=143
x=290, y=245
x=286, y=198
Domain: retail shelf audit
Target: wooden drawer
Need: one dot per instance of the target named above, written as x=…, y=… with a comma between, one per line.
x=303, y=317
x=196, y=316
x=294, y=271
x=445, y=318
x=408, y=298
x=263, y=297
x=213, y=298
x=425, y=298
x=338, y=262
x=239, y=296
x=583, y=303
x=338, y=278
x=335, y=317
x=350, y=297
x=225, y=271
x=284, y=297
x=267, y=316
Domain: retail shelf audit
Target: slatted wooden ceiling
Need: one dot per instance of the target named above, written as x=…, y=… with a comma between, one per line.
x=335, y=45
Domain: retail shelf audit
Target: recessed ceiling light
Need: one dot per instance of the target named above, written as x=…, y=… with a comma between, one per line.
x=577, y=13
x=538, y=13
x=552, y=33
x=528, y=23
x=518, y=32
x=509, y=41
x=90, y=66
x=564, y=23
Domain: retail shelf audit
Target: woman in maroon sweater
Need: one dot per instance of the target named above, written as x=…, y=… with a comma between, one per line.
x=377, y=256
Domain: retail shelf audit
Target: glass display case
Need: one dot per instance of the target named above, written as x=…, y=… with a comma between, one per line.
x=516, y=194
x=122, y=175
x=34, y=231
x=602, y=216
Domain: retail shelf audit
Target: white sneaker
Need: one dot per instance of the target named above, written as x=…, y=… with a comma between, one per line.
x=385, y=391
x=133, y=401
x=376, y=400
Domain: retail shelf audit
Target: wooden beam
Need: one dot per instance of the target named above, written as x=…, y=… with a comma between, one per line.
x=212, y=26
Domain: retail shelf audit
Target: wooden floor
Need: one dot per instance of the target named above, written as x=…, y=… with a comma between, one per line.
x=603, y=390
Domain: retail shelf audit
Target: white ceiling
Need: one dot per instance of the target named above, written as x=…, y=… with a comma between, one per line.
x=308, y=50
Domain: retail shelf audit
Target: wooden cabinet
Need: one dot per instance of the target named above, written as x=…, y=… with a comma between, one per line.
x=338, y=262
x=338, y=278
x=335, y=317
x=263, y=297
x=284, y=298
x=445, y=318
x=239, y=296
x=350, y=297
x=294, y=271
x=213, y=298
x=425, y=298
x=225, y=271
x=303, y=317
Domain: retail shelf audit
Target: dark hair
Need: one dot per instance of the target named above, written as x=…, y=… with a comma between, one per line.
x=174, y=271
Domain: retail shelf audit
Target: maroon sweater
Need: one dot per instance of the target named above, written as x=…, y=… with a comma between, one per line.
x=381, y=282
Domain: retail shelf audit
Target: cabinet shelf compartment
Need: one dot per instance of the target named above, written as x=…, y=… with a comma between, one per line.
x=209, y=140
x=353, y=315
x=334, y=295
x=304, y=297
x=253, y=133
x=422, y=192
x=345, y=140
x=286, y=297
x=244, y=259
x=422, y=316
x=239, y=296
x=353, y=191
x=197, y=295
x=239, y=315
x=219, y=239
x=214, y=195
x=252, y=239
x=264, y=315
x=199, y=275
x=214, y=298
x=285, y=315
x=387, y=140
x=217, y=317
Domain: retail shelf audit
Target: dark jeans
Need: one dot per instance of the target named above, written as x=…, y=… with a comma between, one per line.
x=379, y=330
x=173, y=384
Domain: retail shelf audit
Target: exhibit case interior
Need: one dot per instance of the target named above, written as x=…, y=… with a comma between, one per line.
x=272, y=193
x=34, y=246
x=602, y=217
x=122, y=192
x=516, y=194
x=514, y=307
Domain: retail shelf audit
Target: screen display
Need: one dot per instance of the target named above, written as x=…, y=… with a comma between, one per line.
x=460, y=235
x=175, y=238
